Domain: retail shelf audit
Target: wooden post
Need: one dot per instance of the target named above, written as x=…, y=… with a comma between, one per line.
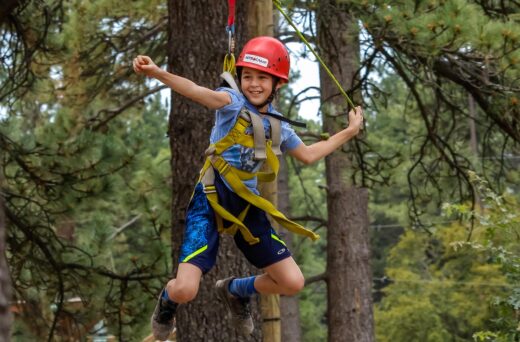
x=289, y=305
x=260, y=23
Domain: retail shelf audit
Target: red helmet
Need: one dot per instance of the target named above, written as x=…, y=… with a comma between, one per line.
x=266, y=54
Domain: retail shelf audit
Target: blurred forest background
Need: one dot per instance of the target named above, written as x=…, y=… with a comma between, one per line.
x=89, y=166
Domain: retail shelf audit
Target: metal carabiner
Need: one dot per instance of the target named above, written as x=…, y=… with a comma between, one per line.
x=231, y=42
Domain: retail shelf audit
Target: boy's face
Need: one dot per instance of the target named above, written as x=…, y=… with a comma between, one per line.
x=256, y=85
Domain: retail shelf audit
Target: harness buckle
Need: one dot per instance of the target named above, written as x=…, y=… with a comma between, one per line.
x=209, y=189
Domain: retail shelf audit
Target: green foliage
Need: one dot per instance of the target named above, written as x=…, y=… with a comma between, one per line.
x=436, y=293
x=460, y=283
x=501, y=224
x=87, y=170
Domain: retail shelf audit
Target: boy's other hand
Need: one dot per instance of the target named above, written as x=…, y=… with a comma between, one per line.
x=355, y=119
x=143, y=65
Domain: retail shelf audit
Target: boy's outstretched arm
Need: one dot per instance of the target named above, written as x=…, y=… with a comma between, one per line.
x=312, y=153
x=204, y=96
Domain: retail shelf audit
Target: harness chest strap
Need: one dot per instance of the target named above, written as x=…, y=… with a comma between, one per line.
x=237, y=136
x=258, y=135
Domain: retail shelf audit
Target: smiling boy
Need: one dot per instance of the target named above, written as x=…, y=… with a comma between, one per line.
x=231, y=196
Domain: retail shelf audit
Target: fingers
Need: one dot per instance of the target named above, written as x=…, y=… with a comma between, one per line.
x=144, y=60
x=356, y=113
x=356, y=110
x=142, y=63
x=359, y=111
x=136, y=66
x=355, y=117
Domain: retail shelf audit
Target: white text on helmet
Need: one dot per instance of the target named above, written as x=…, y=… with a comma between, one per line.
x=253, y=59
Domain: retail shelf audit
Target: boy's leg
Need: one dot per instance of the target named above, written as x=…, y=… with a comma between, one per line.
x=180, y=290
x=283, y=277
x=197, y=256
x=185, y=286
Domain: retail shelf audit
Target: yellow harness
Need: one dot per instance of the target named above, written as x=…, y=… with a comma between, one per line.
x=265, y=149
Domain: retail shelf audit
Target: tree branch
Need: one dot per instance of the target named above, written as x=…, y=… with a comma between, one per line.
x=320, y=277
x=112, y=113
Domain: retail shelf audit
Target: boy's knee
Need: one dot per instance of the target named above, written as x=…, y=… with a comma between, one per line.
x=294, y=285
x=181, y=292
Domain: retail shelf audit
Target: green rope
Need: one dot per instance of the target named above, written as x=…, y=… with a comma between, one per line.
x=342, y=91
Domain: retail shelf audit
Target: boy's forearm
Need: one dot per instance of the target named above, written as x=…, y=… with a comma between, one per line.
x=179, y=84
x=187, y=88
x=323, y=148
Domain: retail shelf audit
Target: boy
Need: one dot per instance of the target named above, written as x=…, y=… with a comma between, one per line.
x=262, y=67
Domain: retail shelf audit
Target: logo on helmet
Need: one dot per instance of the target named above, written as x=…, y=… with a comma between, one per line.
x=254, y=59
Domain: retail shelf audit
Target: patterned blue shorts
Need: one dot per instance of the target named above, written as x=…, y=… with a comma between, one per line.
x=201, y=238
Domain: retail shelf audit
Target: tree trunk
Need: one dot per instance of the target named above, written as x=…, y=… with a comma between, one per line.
x=5, y=283
x=349, y=276
x=196, y=47
x=289, y=305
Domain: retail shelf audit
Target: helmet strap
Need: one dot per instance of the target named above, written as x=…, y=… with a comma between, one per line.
x=271, y=97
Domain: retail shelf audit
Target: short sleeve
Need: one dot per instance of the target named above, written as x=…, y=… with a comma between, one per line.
x=237, y=102
x=225, y=117
x=290, y=140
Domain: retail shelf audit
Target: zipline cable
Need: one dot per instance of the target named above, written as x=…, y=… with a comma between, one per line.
x=342, y=91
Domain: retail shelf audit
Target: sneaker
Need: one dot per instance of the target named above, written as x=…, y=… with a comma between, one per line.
x=240, y=307
x=163, y=318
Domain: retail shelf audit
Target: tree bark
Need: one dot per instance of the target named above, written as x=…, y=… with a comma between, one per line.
x=289, y=305
x=197, y=44
x=5, y=280
x=349, y=308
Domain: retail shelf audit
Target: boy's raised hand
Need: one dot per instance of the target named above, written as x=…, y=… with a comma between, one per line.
x=355, y=119
x=144, y=65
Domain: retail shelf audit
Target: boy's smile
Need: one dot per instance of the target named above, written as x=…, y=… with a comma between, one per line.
x=257, y=86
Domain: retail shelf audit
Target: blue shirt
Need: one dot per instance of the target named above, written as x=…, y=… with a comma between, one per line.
x=241, y=157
